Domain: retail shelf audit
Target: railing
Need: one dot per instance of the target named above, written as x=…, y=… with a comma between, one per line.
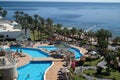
x=11, y=60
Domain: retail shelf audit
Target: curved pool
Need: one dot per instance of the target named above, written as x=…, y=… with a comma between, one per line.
x=72, y=49
x=35, y=53
x=35, y=70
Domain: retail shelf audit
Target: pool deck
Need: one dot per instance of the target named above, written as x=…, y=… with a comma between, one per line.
x=45, y=59
x=23, y=60
x=42, y=59
x=51, y=74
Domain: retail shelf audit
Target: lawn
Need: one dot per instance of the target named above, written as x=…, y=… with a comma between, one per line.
x=36, y=35
x=113, y=74
x=75, y=77
x=92, y=63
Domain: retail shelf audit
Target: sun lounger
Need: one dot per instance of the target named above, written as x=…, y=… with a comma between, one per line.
x=61, y=77
x=59, y=73
x=22, y=55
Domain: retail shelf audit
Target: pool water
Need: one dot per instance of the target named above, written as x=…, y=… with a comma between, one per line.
x=72, y=49
x=34, y=70
x=76, y=52
x=35, y=53
x=49, y=48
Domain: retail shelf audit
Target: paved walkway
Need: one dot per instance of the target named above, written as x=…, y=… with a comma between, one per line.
x=42, y=59
x=23, y=60
x=93, y=78
x=52, y=72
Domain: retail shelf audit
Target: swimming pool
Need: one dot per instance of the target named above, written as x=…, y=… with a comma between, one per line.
x=35, y=53
x=35, y=70
x=72, y=49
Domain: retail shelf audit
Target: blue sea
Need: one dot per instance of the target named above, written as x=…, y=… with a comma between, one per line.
x=72, y=14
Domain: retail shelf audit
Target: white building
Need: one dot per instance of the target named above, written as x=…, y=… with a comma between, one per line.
x=11, y=30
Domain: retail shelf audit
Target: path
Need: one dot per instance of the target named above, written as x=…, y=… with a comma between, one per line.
x=52, y=72
x=93, y=78
x=89, y=77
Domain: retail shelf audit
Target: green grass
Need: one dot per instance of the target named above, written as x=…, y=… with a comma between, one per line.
x=113, y=74
x=75, y=77
x=91, y=63
x=36, y=35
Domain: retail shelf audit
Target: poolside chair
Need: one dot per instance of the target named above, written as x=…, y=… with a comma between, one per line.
x=22, y=55
x=61, y=77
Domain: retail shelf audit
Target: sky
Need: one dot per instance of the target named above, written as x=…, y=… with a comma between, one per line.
x=68, y=0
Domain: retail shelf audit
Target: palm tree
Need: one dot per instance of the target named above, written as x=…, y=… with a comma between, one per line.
x=42, y=20
x=91, y=35
x=32, y=26
x=111, y=59
x=59, y=25
x=103, y=38
x=116, y=40
x=3, y=12
x=17, y=15
x=80, y=33
x=25, y=23
x=49, y=22
x=42, y=29
x=36, y=23
x=73, y=31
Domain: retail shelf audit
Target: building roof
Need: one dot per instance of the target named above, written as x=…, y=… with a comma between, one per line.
x=6, y=26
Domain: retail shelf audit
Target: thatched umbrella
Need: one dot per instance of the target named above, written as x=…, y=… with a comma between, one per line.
x=62, y=45
x=63, y=49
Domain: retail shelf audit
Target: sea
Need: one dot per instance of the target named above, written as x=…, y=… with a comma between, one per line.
x=81, y=15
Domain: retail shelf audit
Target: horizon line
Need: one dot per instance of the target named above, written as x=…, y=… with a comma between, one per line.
x=63, y=1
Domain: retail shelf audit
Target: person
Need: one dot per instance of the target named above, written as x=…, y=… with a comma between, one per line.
x=20, y=50
x=16, y=51
x=28, y=75
x=73, y=65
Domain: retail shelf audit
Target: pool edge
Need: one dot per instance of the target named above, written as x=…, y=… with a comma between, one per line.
x=47, y=70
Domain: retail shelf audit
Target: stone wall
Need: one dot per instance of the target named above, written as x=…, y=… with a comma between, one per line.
x=9, y=74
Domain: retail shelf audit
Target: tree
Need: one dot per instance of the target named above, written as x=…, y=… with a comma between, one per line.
x=81, y=61
x=59, y=25
x=17, y=15
x=3, y=12
x=111, y=59
x=103, y=38
x=91, y=35
x=73, y=31
x=80, y=33
x=36, y=21
x=49, y=22
x=116, y=40
x=118, y=53
x=25, y=23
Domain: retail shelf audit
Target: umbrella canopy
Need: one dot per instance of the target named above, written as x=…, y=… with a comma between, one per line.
x=61, y=45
